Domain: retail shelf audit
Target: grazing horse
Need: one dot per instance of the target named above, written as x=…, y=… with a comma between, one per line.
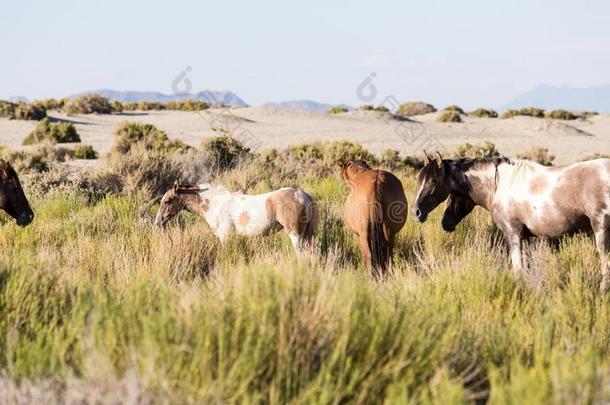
x=12, y=198
x=375, y=210
x=525, y=199
x=289, y=208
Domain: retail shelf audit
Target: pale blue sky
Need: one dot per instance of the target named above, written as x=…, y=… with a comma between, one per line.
x=473, y=53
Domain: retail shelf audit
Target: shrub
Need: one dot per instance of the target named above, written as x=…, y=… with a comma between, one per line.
x=150, y=106
x=346, y=150
x=449, y=116
x=225, y=151
x=414, y=108
x=483, y=113
x=485, y=150
x=147, y=136
x=88, y=104
x=596, y=155
x=589, y=113
x=187, y=105
x=370, y=107
x=528, y=112
x=63, y=132
x=455, y=108
x=561, y=115
x=539, y=155
x=337, y=110
x=25, y=162
x=22, y=111
x=52, y=103
x=116, y=106
x=130, y=106
x=84, y=152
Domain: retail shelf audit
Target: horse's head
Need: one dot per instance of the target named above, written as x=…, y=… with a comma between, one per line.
x=171, y=204
x=434, y=186
x=352, y=168
x=458, y=207
x=12, y=198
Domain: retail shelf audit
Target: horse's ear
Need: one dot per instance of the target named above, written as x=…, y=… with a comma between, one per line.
x=176, y=185
x=439, y=158
x=341, y=163
x=426, y=158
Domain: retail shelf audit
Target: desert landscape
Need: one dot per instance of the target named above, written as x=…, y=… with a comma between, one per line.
x=568, y=141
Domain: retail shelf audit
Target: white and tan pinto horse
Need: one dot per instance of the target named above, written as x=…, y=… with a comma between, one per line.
x=524, y=199
x=226, y=212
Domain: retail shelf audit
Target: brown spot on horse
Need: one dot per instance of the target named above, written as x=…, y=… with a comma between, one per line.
x=244, y=218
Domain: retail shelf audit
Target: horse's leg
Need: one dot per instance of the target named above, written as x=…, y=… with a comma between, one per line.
x=363, y=243
x=514, y=238
x=602, y=241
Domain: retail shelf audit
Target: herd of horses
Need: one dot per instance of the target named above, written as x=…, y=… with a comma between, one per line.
x=525, y=199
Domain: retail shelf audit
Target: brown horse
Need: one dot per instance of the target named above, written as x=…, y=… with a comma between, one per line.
x=525, y=199
x=375, y=210
x=12, y=198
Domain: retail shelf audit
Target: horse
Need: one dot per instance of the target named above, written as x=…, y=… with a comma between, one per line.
x=524, y=198
x=375, y=211
x=227, y=212
x=12, y=197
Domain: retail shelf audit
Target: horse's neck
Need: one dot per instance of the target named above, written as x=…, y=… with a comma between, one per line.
x=206, y=203
x=482, y=184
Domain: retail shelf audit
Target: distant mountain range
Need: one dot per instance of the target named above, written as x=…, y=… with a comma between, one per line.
x=569, y=98
x=306, y=105
x=209, y=96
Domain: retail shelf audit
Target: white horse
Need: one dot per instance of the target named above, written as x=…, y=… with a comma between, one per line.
x=226, y=212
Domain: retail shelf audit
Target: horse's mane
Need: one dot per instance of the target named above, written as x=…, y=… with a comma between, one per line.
x=481, y=162
x=360, y=164
x=6, y=171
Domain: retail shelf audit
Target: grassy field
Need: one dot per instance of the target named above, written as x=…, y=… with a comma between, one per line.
x=97, y=304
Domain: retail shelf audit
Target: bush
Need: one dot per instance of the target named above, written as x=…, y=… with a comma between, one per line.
x=88, y=104
x=414, y=108
x=596, y=155
x=455, y=108
x=150, y=106
x=84, y=152
x=116, y=106
x=63, y=132
x=528, y=112
x=25, y=162
x=346, y=150
x=225, y=151
x=560, y=115
x=483, y=113
x=485, y=150
x=187, y=105
x=539, y=155
x=133, y=134
x=370, y=107
x=22, y=111
x=52, y=103
x=449, y=116
x=391, y=158
x=337, y=110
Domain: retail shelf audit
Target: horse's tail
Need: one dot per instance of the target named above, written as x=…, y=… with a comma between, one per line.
x=377, y=238
x=309, y=218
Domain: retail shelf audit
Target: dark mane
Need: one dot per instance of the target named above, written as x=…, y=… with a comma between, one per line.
x=360, y=164
x=479, y=162
x=188, y=189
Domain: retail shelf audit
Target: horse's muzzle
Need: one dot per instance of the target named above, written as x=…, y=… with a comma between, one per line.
x=419, y=215
x=25, y=219
x=447, y=225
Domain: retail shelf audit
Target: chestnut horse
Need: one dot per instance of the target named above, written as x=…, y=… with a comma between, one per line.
x=289, y=208
x=525, y=199
x=12, y=198
x=375, y=210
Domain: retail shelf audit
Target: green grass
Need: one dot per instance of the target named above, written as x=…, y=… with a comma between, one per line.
x=92, y=296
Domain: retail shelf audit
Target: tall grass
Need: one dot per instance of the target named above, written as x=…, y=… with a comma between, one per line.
x=95, y=302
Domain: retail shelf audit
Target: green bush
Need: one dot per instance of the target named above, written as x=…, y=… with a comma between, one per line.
x=345, y=151
x=84, y=152
x=449, y=116
x=187, y=105
x=527, y=112
x=52, y=103
x=483, y=113
x=150, y=106
x=63, y=132
x=116, y=106
x=414, y=108
x=225, y=151
x=455, y=108
x=25, y=162
x=560, y=115
x=88, y=104
x=136, y=135
x=370, y=107
x=22, y=111
x=337, y=110
x=539, y=155
x=485, y=150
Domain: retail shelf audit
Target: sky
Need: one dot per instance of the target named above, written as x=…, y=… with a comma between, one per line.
x=475, y=53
